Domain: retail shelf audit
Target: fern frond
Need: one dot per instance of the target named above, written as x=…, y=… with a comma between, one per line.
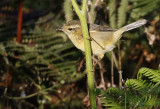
x=135, y=84
x=122, y=13
x=150, y=101
x=110, y=98
x=143, y=7
x=139, y=93
x=153, y=75
x=67, y=8
x=112, y=13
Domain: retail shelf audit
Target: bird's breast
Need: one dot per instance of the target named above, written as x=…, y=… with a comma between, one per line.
x=78, y=42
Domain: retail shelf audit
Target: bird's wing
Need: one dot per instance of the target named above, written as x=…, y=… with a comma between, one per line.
x=94, y=27
x=103, y=37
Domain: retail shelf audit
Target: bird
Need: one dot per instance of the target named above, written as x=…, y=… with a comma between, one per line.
x=103, y=39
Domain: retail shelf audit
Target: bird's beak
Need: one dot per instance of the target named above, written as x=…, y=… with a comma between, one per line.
x=59, y=29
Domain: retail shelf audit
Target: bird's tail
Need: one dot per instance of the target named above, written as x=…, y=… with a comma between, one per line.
x=118, y=33
x=135, y=25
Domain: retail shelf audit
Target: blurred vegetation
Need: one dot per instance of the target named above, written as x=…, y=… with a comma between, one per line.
x=46, y=71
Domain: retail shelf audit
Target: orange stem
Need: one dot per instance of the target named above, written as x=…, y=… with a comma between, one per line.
x=19, y=22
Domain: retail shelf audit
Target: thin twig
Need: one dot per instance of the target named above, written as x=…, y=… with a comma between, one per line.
x=125, y=99
x=34, y=94
x=112, y=70
x=115, y=60
x=120, y=67
x=138, y=66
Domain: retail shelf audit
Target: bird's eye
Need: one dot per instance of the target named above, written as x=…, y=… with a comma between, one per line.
x=70, y=29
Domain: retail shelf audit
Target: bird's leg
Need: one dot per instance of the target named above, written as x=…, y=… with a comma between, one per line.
x=100, y=56
x=94, y=64
x=81, y=64
x=94, y=61
x=86, y=100
x=102, y=70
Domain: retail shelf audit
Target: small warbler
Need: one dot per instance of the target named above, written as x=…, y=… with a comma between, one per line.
x=103, y=39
